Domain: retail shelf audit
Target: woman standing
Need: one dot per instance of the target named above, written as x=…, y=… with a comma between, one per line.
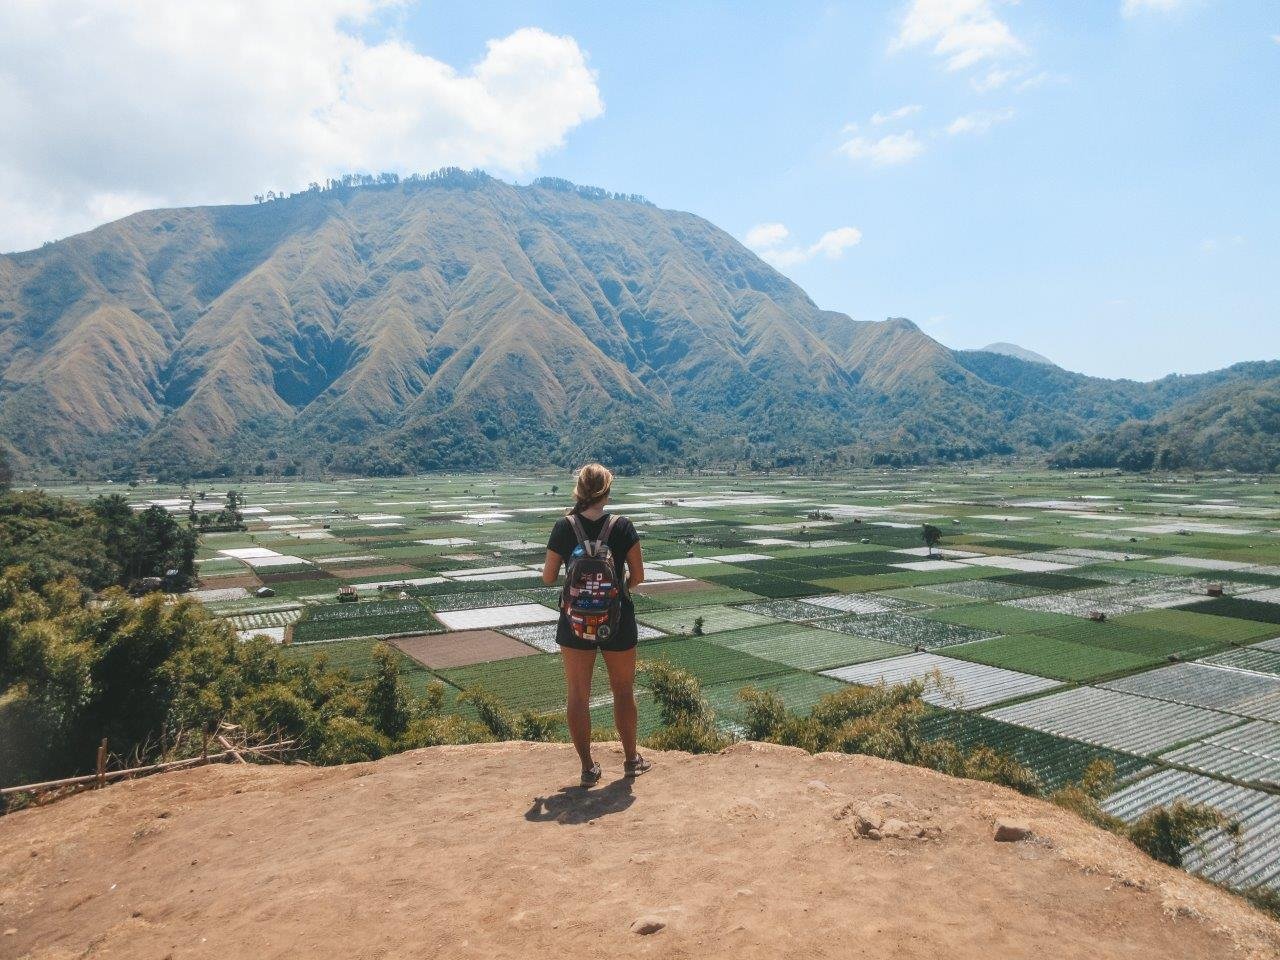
x=584, y=525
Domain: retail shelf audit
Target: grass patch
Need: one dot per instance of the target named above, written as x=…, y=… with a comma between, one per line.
x=1238, y=608
x=806, y=648
x=714, y=619
x=999, y=618
x=1200, y=626
x=1053, y=658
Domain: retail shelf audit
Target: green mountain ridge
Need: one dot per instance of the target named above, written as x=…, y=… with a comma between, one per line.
x=1235, y=426
x=460, y=321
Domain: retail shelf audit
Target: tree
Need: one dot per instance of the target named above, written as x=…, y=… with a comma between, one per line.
x=388, y=704
x=53, y=539
x=149, y=543
x=6, y=472
x=932, y=535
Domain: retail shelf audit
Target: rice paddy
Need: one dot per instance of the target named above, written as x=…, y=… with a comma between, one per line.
x=1071, y=617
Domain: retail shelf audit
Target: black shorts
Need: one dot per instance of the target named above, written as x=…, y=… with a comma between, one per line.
x=626, y=637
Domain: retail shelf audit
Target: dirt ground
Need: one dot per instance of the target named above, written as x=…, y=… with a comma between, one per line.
x=493, y=851
x=462, y=647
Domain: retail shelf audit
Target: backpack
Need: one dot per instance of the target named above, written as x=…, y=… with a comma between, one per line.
x=592, y=597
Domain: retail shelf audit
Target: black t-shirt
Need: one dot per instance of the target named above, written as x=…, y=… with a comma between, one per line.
x=621, y=539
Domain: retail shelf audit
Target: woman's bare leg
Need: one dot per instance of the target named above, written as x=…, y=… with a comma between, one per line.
x=621, y=665
x=578, y=667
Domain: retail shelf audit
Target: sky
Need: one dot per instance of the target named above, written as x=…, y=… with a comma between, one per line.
x=1098, y=181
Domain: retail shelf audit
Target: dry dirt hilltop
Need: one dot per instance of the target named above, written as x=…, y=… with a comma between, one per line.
x=482, y=851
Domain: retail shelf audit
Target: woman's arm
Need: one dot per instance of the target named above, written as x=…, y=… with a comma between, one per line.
x=551, y=568
x=635, y=567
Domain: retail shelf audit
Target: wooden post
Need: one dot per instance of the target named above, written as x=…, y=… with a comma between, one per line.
x=231, y=750
x=102, y=763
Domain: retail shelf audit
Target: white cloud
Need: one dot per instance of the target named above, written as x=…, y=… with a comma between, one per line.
x=764, y=235
x=891, y=149
x=1214, y=244
x=978, y=122
x=768, y=239
x=109, y=107
x=901, y=113
x=964, y=32
x=834, y=243
x=993, y=79
x=1131, y=8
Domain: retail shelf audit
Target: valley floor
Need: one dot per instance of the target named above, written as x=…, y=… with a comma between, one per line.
x=1131, y=619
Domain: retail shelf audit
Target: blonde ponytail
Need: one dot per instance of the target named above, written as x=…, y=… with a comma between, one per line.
x=592, y=486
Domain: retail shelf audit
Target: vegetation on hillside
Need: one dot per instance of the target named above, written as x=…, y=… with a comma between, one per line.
x=453, y=320
x=880, y=721
x=101, y=544
x=1236, y=427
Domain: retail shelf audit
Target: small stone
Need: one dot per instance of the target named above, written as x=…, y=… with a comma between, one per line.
x=1011, y=831
x=643, y=926
x=11, y=932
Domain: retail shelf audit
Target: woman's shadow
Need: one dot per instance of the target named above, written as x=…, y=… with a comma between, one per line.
x=573, y=805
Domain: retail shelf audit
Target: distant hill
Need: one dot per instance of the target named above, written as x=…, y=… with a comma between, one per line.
x=493, y=850
x=1235, y=426
x=1022, y=353
x=458, y=321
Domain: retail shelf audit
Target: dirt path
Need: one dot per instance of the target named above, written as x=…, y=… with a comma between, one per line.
x=481, y=852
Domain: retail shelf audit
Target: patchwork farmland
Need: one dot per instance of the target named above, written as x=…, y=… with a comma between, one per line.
x=1071, y=618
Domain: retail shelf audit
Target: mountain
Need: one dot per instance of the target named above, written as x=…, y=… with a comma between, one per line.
x=1236, y=426
x=1022, y=353
x=488, y=851
x=456, y=320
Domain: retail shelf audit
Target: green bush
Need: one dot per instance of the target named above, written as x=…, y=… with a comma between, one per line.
x=1164, y=832
x=503, y=724
x=347, y=740
x=688, y=722
x=880, y=721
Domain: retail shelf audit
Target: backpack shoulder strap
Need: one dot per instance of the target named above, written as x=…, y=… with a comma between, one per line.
x=607, y=530
x=578, y=532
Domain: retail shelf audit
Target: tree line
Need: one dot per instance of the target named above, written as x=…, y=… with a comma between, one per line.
x=445, y=175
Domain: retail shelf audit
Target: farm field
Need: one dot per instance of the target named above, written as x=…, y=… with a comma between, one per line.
x=1070, y=617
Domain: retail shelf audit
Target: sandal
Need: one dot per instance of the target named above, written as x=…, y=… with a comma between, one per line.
x=633, y=768
x=591, y=777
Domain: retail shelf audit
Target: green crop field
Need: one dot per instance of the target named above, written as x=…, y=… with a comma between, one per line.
x=783, y=581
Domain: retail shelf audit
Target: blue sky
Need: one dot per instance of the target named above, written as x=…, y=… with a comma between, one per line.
x=1097, y=181
x=1125, y=221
